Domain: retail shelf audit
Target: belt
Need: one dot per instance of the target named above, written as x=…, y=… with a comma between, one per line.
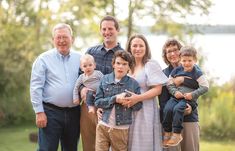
x=57, y=107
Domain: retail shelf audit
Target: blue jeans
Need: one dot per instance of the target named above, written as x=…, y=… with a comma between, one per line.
x=173, y=115
x=90, y=98
x=63, y=125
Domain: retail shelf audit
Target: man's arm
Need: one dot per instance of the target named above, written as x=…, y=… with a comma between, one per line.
x=38, y=78
x=37, y=81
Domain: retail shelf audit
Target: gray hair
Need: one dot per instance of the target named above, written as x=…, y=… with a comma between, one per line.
x=61, y=26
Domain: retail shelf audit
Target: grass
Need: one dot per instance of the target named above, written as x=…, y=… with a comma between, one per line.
x=206, y=145
x=17, y=139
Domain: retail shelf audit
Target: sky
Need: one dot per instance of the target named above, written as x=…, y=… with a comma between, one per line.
x=222, y=12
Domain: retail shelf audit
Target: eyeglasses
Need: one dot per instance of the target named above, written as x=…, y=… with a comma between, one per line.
x=172, y=51
x=61, y=38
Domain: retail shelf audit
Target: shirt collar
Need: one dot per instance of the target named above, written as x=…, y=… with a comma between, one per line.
x=58, y=54
x=111, y=79
x=117, y=47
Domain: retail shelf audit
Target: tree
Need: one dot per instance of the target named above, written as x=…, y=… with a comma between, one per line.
x=26, y=32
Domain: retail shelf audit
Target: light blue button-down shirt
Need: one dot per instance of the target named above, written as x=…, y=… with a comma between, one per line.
x=53, y=79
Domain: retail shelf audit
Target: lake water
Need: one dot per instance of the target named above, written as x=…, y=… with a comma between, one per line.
x=215, y=48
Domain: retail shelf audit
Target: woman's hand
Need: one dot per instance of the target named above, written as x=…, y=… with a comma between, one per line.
x=131, y=100
x=120, y=97
x=188, y=109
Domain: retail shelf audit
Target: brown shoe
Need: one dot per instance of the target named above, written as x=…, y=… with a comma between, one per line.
x=166, y=138
x=174, y=140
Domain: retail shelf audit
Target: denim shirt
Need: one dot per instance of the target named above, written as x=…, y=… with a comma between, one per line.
x=106, y=98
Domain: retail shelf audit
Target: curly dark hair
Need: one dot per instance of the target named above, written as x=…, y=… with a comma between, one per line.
x=169, y=42
x=125, y=56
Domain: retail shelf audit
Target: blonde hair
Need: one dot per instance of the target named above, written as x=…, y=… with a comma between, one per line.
x=87, y=57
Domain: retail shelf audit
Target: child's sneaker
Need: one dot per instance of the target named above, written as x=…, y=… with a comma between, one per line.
x=166, y=138
x=174, y=140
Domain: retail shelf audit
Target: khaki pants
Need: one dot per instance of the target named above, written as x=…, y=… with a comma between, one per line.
x=191, y=138
x=88, y=124
x=106, y=137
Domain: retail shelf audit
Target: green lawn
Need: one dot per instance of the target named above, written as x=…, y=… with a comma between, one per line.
x=217, y=145
x=17, y=139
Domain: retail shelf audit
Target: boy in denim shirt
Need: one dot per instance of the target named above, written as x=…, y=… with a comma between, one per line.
x=112, y=129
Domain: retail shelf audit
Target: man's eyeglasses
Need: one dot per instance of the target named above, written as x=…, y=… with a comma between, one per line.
x=61, y=38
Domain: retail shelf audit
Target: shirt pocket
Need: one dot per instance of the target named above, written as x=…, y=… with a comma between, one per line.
x=108, y=90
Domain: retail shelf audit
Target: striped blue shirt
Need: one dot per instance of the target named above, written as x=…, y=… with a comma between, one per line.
x=53, y=78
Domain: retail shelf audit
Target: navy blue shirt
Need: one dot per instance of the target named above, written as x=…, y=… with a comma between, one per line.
x=165, y=96
x=194, y=74
x=103, y=57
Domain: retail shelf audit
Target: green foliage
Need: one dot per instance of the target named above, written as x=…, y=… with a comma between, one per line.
x=26, y=32
x=217, y=114
x=15, y=70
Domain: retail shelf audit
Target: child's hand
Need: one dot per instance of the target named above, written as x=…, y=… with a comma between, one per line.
x=77, y=101
x=120, y=97
x=188, y=96
x=179, y=95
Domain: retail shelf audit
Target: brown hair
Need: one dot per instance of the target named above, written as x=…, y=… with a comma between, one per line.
x=125, y=56
x=110, y=18
x=188, y=51
x=169, y=42
x=147, y=55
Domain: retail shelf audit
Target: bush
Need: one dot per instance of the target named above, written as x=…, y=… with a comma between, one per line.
x=217, y=118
